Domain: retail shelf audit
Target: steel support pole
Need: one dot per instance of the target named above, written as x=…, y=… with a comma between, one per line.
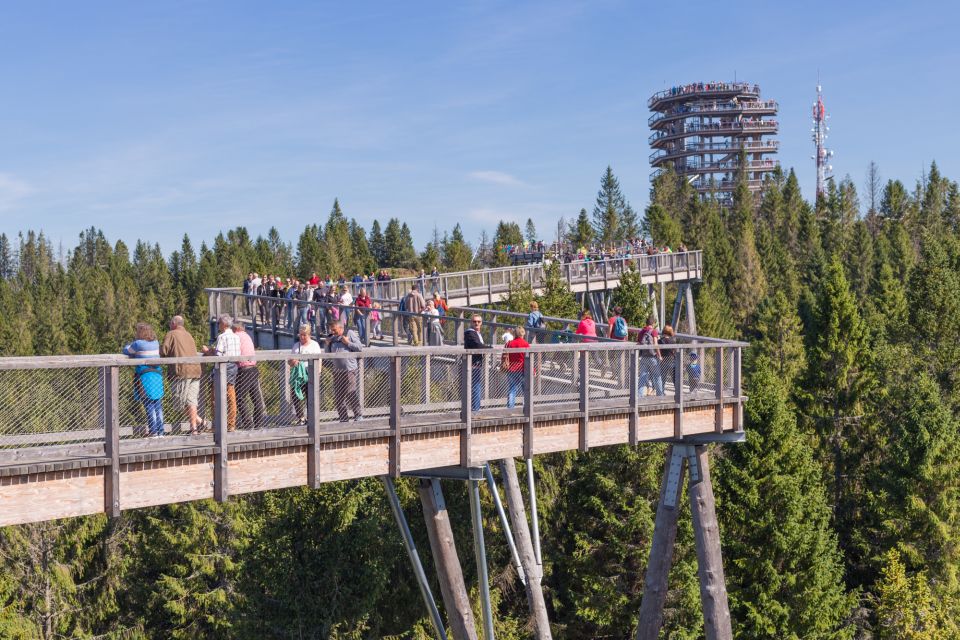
x=534, y=518
x=411, y=549
x=538, y=606
x=481, y=552
x=506, y=523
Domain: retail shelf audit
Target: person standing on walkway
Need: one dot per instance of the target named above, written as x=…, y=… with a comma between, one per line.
x=472, y=339
x=514, y=366
x=227, y=344
x=363, y=304
x=148, y=382
x=248, y=382
x=434, y=330
x=184, y=378
x=415, y=304
x=650, y=358
x=534, y=321
x=346, y=301
x=299, y=377
x=345, y=371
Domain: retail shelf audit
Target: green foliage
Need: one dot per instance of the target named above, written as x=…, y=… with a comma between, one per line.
x=786, y=573
x=906, y=607
x=581, y=232
x=608, y=212
x=632, y=296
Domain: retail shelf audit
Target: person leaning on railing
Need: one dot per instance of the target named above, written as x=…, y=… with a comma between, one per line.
x=227, y=344
x=299, y=377
x=472, y=339
x=184, y=378
x=148, y=385
x=513, y=364
x=650, y=358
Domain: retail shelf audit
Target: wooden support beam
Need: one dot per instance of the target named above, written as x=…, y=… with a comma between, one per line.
x=661, y=549
x=110, y=386
x=531, y=569
x=313, y=423
x=453, y=588
x=395, y=434
x=713, y=588
x=221, y=489
x=584, y=400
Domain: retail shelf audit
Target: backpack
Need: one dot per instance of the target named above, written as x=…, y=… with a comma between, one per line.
x=620, y=327
x=646, y=337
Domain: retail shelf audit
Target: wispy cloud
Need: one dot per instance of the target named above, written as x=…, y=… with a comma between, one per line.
x=497, y=177
x=12, y=189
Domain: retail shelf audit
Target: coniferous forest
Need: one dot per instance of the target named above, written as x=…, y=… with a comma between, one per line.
x=840, y=515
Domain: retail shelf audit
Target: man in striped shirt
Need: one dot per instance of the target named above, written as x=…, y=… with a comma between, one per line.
x=227, y=344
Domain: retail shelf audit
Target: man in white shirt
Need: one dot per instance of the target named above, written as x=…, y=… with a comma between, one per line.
x=227, y=344
x=346, y=300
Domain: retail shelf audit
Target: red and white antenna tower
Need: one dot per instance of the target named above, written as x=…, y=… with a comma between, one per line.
x=820, y=130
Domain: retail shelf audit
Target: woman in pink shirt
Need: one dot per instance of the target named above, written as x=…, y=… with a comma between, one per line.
x=587, y=327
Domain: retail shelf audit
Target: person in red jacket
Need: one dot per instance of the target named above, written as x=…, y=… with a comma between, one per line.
x=514, y=366
x=363, y=304
x=587, y=326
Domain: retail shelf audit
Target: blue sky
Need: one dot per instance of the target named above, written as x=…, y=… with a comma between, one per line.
x=149, y=120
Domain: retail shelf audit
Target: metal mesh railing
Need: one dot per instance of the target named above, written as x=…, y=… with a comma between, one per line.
x=40, y=406
x=67, y=404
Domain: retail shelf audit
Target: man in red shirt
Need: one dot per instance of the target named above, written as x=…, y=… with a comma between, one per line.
x=514, y=366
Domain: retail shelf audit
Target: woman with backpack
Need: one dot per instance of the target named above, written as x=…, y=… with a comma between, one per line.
x=148, y=379
x=534, y=321
x=617, y=325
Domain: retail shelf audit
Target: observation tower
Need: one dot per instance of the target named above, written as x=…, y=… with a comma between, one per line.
x=700, y=129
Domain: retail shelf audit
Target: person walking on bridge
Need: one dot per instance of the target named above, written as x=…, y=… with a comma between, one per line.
x=184, y=378
x=345, y=371
x=472, y=339
x=650, y=358
x=415, y=304
x=363, y=304
x=534, y=321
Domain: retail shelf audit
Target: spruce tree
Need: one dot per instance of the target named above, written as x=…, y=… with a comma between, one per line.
x=580, y=233
x=530, y=232
x=378, y=246
x=747, y=285
x=784, y=570
x=661, y=227
x=608, y=210
x=457, y=254
x=778, y=340
x=629, y=224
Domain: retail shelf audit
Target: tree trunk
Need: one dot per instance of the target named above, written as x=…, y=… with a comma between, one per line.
x=456, y=600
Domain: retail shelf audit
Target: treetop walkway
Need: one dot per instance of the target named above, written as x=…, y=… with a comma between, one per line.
x=489, y=286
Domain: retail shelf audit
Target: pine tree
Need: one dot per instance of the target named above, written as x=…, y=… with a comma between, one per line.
x=530, y=232
x=748, y=284
x=408, y=254
x=608, y=210
x=457, y=254
x=363, y=261
x=309, y=251
x=506, y=235
x=392, y=244
x=661, y=227
x=906, y=607
x=378, y=246
x=632, y=296
x=7, y=266
x=779, y=341
x=580, y=233
x=783, y=567
x=629, y=224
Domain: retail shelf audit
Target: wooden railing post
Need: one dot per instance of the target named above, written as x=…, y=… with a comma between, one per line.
x=737, y=391
x=718, y=424
x=110, y=385
x=395, y=406
x=466, y=409
x=313, y=422
x=678, y=394
x=634, y=356
x=220, y=488
x=584, y=400
x=528, y=393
